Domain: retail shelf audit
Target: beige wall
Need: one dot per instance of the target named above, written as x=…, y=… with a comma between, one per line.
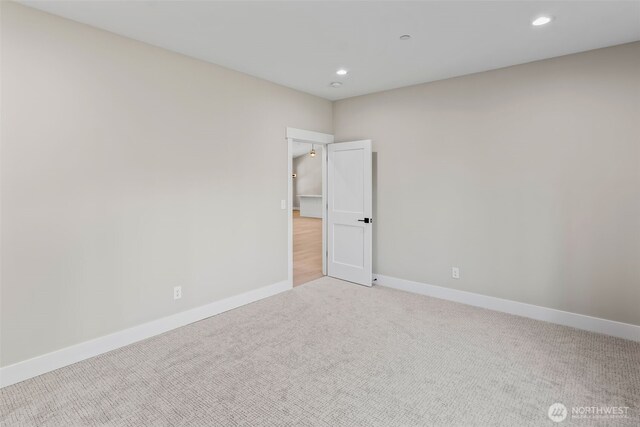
x=309, y=175
x=527, y=178
x=128, y=170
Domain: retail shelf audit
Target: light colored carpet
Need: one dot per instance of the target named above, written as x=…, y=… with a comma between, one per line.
x=330, y=353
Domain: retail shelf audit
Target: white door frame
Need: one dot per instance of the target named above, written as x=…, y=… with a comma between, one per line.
x=312, y=137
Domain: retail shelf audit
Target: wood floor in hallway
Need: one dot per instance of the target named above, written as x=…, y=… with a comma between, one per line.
x=307, y=249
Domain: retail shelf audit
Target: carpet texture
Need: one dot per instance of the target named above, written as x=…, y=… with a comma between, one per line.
x=330, y=353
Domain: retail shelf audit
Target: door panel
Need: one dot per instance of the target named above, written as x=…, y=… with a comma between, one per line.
x=348, y=242
x=348, y=187
x=349, y=204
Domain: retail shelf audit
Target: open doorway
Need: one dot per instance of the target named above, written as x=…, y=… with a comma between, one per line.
x=307, y=202
x=307, y=211
x=344, y=206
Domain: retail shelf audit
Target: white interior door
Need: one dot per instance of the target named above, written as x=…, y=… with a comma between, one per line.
x=349, y=211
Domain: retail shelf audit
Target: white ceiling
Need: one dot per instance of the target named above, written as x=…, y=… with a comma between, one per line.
x=301, y=44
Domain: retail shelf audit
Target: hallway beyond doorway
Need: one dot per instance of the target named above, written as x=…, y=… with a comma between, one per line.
x=307, y=248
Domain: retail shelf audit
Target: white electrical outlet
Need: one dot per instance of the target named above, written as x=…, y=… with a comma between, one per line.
x=177, y=292
x=283, y=204
x=455, y=272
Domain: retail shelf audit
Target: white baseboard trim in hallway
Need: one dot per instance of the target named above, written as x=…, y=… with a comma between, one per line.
x=578, y=321
x=57, y=359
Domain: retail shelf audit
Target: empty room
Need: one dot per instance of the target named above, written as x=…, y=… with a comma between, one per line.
x=319, y=213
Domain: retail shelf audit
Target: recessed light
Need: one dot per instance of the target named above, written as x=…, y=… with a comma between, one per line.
x=405, y=37
x=342, y=72
x=541, y=20
x=335, y=84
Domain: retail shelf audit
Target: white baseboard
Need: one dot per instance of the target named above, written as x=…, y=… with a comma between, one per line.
x=57, y=359
x=579, y=321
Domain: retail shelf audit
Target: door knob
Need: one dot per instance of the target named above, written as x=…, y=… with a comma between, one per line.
x=366, y=220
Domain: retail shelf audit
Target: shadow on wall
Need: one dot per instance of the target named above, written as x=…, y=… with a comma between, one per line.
x=374, y=202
